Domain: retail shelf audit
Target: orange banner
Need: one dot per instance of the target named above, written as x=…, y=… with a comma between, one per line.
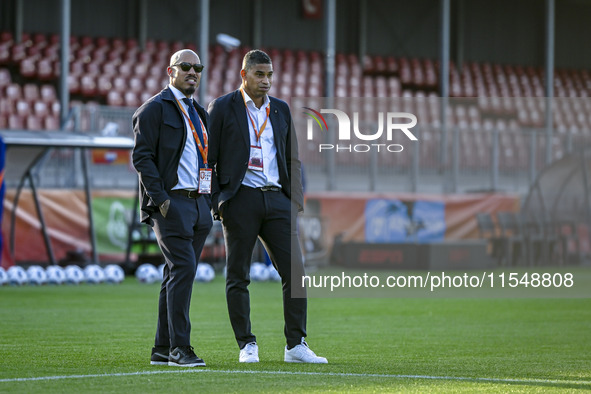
x=344, y=214
x=66, y=216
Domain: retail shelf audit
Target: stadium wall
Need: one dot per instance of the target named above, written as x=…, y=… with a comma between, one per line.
x=349, y=216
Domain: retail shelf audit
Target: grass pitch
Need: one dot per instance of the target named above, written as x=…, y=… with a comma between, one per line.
x=98, y=339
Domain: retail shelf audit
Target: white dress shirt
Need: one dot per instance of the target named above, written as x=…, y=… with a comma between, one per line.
x=188, y=171
x=270, y=174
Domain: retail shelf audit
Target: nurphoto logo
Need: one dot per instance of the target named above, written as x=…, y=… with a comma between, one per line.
x=395, y=122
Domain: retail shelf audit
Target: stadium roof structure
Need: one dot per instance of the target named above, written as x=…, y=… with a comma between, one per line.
x=61, y=139
x=25, y=150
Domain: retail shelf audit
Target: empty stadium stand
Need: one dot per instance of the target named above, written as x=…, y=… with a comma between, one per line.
x=118, y=73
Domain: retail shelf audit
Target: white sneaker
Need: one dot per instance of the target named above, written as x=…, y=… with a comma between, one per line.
x=303, y=354
x=249, y=353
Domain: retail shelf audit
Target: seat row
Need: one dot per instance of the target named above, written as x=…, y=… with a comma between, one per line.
x=119, y=72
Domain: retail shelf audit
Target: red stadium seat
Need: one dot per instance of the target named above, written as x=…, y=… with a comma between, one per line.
x=55, y=108
x=391, y=65
x=16, y=122
x=379, y=65
x=5, y=53
x=368, y=86
x=74, y=83
x=314, y=90
x=76, y=67
x=110, y=68
x=13, y=91
x=136, y=84
x=19, y=52
x=40, y=108
x=102, y=42
x=115, y=55
x=46, y=69
x=368, y=65
x=127, y=68
x=34, y=123
x=86, y=41
x=23, y=108
x=157, y=70
x=88, y=85
x=154, y=85
x=394, y=87
x=6, y=36
x=104, y=85
x=381, y=87
x=6, y=106
x=120, y=83
x=117, y=43
x=150, y=46
x=31, y=92
x=28, y=67
x=144, y=96
x=406, y=76
x=114, y=98
x=54, y=39
x=144, y=58
x=5, y=78
x=131, y=99
x=93, y=69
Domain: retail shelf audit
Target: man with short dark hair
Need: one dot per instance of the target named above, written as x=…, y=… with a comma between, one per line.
x=170, y=157
x=257, y=192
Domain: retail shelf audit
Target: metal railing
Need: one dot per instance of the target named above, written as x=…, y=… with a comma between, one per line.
x=489, y=159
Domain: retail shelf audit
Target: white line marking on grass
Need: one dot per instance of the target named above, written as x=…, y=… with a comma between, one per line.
x=337, y=374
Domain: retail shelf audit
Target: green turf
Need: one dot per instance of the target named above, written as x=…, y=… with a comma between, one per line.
x=544, y=344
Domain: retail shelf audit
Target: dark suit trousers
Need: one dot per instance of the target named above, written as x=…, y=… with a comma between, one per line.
x=181, y=236
x=252, y=213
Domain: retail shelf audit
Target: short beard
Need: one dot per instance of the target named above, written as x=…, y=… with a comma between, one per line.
x=189, y=91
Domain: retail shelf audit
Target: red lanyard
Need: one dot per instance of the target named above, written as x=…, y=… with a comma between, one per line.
x=258, y=133
x=197, y=140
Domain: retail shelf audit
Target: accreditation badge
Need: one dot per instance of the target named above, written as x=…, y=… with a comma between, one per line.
x=255, y=162
x=205, y=180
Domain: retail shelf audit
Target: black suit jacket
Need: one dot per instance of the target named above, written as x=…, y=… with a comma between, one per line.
x=229, y=148
x=160, y=136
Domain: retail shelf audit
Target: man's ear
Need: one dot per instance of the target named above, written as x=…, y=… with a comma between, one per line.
x=243, y=73
x=169, y=71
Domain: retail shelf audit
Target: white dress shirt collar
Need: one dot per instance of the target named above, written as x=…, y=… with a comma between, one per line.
x=248, y=100
x=178, y=94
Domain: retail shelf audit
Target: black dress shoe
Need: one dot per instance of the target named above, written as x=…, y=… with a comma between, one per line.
x=184, y=356
x=159, y=355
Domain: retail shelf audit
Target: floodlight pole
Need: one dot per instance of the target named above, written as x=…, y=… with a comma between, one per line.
x=549, y=76
x=460, y=34
x=444, y=80
x=65, y=63
x=257, y=28
x=331, y=16
x=330, y=47
x=204, y=49
x=143, y=23
x=362, y=30
x=18, y=21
